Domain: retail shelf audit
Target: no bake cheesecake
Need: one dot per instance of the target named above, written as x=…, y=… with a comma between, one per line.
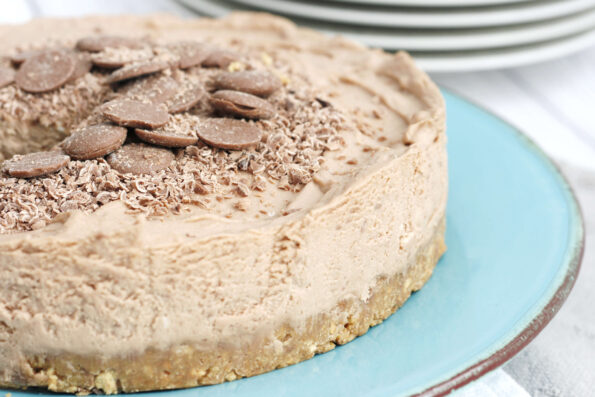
x=187, y=202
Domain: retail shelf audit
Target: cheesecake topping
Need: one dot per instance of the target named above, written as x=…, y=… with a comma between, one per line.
x=207, y=133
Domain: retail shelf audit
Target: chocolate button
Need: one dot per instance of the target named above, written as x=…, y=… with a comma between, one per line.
x=155, y=89
x=135, y=114
x=238, y=103
x=138, y=158
x=94, y=141
x=82, y=62
x=45, y=71
x=168, y=137
x=114, y=59
x=100, y=43
x=253, y=82
x=82, y=65
x=6, y=76
x=220, y=58
x=35, y=164
x=186, y=100
x=136, y=70
x=109, y=63
x=229, y=133
x=191, y=53
x=21, y=57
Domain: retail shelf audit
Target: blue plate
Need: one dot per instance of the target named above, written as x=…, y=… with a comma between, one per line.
x=515, y=238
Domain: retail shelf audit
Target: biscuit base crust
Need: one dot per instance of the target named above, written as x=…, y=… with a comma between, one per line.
x=184, y=366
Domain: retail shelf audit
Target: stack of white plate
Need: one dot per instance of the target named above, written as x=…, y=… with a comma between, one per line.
x=443, y=35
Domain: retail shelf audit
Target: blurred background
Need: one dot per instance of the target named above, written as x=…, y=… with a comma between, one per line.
x=531, y=62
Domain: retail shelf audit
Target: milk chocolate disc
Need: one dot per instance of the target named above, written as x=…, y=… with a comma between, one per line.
x=229, y=133
x=6, y=76
x=191, y=53
x=45, y=71
x=136, y=70
x=100, y=43
x=260, y=83
x=186, y=100
x=35, y=164
x=108, y=63
x=168, y=137
x=236, y=103
x=138, y=158
x=82, y=65
x=155, y=89
x=94, y=141
x=135, y=113
x=218, y=58
x=116, y=58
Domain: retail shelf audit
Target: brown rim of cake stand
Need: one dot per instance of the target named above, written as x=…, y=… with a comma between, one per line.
x=548, y=312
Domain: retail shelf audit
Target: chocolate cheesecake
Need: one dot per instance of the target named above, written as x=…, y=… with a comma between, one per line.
x=187, y=202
